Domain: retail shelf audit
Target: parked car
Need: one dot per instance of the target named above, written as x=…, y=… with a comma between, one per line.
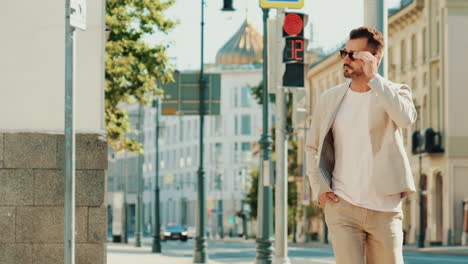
x=174, y=232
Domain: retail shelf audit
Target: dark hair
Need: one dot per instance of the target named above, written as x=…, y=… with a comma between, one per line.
x=374, y=38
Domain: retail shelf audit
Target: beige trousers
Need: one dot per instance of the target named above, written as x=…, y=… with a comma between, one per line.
x=363, y=236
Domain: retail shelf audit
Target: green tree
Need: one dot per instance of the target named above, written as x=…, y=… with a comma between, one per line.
x=133, y=68
x=252, y=196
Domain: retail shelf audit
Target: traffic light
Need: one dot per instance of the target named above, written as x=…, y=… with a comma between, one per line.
x=293, y=25
x=433, y=141
x=417, y=143
x=228, y=6
x=294, y=49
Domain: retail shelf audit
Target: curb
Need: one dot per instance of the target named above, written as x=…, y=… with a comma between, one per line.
x=462, y=252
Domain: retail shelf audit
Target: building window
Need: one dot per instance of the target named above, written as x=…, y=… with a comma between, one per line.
x=218, y=151
x=188, y=131
x=236, y=97
x=236, y=152
x=246, y=154
x=246, y=128
x=424, y=44
x=390, y=55
x=245, y=96
x=414, y=51
x=425, y=80
x=438, y=37
x=425, y=119
x=236, y=126
x=245, y=146
x=403, y=56
x=217, y=126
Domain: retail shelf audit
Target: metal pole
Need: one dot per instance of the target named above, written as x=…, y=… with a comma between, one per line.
x=69, y=217
x=156, y=217
x=125, y=209
x=422, y=230
x=139, y=180
x=219, y=210
x=200, y=245
x=281, y=203
x=376, y=15
x=220, y=218
x=265, y=193
x=421, y=204
x=382, y=26
x=304, y=191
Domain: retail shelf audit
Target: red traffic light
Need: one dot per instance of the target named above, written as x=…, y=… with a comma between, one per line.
x=293, y=24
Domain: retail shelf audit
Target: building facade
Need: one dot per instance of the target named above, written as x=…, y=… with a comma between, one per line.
x=32, y=142
x=229, y=144
x=426, y=51
x=228, y=155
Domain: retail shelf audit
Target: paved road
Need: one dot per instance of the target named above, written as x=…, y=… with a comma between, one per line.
x=244, y=252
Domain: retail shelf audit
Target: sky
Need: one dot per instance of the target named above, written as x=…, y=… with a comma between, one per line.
x=329, y=20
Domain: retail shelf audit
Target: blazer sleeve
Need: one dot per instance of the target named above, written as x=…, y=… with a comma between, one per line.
x=311, y=149
x=397, y=100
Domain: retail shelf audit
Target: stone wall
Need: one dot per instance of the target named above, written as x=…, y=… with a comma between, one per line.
x=32, y=198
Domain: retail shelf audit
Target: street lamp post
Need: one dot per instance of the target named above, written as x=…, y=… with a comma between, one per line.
x=140, y=180
x=219, y=210
x=125, y=204
x=421, y=204
x=305, y=226
x=200, y=239
x=156, y=217
x=265, y=192
x=422, y=191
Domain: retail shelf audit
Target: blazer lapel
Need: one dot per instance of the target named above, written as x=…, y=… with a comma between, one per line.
x=333, y=107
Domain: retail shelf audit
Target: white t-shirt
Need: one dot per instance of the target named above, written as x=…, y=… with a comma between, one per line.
x=353, y=156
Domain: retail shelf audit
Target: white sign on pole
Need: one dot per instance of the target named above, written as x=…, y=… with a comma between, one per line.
x=117, y=213
x=267, y=181
x=275, y=52
x=78, y=14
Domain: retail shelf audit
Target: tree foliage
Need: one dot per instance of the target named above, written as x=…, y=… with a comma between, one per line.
x=133, y=68
x=252, y=195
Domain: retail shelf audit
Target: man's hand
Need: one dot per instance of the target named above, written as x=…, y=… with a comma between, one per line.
x=324, y=197
x=370, y=63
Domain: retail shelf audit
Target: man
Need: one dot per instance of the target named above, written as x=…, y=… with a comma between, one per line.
x=357, y=165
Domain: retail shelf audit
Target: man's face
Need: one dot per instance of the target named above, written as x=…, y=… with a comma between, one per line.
x=353, y=68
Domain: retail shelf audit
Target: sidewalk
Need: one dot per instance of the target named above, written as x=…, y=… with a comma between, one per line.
x=125, y=254
x=450, y=250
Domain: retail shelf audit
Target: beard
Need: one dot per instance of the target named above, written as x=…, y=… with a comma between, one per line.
x=349, y=72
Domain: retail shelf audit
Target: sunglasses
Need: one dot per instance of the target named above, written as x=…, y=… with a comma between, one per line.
x=343, y=54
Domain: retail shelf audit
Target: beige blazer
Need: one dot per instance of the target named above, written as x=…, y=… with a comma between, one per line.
x=391, y=109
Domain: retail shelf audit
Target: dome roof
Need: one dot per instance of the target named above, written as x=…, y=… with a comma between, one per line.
x=244, y=47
